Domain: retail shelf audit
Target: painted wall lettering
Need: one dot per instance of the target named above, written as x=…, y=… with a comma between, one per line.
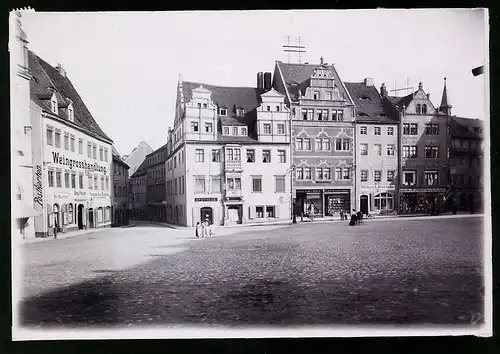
x=62, y=160
x=38, y=186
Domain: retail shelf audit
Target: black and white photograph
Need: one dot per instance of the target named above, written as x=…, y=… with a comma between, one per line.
x=248, y=174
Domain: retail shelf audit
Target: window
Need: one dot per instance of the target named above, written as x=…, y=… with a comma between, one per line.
x=424, y=109
x=244, y=131
x=270, y=212
x=377, y=176
x=53, y=106
x=307, y=144
x=256, y=184
x=342, y=144
x=323, y=174
x=58, y=138
x=51, y=178
x=406, y=151
x=281, y=128
x=328, y=95
x=326, y=144
x=307, y=173
x=101, y=153
x=409, y=178
x=72, y=142
x=431, y=152
x=199, y=184
x=431, y=178
x=316, y=95
x=413, y=129
x=377, y=148
x=194, y=126
x=175, y=186
x=259, y=212
x=384, y=201
x=406, y=128
x=250, y=155
x=80, y=180
x=240, y=112
x=66, y=141
x=340, y=116
x=226, y=130
x=363, y=130
x=364, y=175
x=90, y=181
x=199, y=155
x=50, y=133
x=376, y=131
x=310, y=113
x=390, y=130
x=96, y=186
x=94, y=151
x=267, y=128
x=319, y=115
x=299, y=144
x=390, y=175
x=390, y=149
x=342, y=173
x=215, y=185
x=107, y=183
x=235, y=130
x=304, y=114
x=299, y=173
x=319, y=144
x=326, y=174
x=58, y=178
x=277, y=108
x=363, y=148
x=223, y=111
x=266, y=156
x=413, y=151
x=73, y=180
x=280, y=184
x=216, y=155
x=281, y=156
x=102, y=182
x=418, y=108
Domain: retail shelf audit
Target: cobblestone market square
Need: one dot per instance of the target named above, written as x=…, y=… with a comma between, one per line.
x=392, y=271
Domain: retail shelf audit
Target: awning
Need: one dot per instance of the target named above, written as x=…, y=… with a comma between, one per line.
x=27, y=212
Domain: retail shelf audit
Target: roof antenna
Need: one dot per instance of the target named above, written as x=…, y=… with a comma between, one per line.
x=293, y=46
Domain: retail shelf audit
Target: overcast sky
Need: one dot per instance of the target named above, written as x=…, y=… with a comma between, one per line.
x=126, y=65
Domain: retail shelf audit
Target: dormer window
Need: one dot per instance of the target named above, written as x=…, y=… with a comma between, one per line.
x=226, y=130
x=223, y=111
x=53, y=105
x=244, y=131
x=71, y=116
x=235, y=130
x=240, y=112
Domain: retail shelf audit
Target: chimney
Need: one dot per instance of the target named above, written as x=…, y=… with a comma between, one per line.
x=260, y=80
x=368, y=81
x=61, y=70
x=383, y=90
x=267, y=81
x=428, y=96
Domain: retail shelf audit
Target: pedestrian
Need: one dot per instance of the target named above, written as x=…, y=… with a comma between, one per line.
x=341, y=215
x=211, y=232
x=353, y=218
x=359, y=216
x=203, y=229
x=56, y=226
x=198, y=229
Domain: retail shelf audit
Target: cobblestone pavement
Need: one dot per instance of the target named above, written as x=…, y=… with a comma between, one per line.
x=398, y=272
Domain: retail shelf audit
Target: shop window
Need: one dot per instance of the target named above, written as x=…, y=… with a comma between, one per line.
x=384, y=201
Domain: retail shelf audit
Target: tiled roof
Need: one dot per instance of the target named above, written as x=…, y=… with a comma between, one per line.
x=46, y=76
x=368, y=102
x=297, y=77
x=231, y=98
x=235, y=139
x=232, y=121
x=117, y=157
x=400, y=101
x=458, y=130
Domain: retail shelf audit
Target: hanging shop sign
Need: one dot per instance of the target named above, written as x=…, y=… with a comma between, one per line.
x=84, y=165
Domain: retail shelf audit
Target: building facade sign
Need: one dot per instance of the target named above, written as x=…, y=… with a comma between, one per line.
x=376, y=187
x=84, y=165
x=99, y=194
x=205, y=199
x=61, y=195
x=423, y=190
x=38, y=198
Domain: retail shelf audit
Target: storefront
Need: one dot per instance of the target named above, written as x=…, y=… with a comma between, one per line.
x=420, y=200
x=377, y=199
x=323, y=202
x=208, y=208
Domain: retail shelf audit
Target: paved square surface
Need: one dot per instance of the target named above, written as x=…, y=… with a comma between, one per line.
x=395, y=271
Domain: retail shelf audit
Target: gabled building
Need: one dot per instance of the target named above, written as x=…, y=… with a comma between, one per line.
x=377, y=150
x=138, y=191
x=137, y=156
x=119, y=197
x=424, y=155
x=230, y=155
x=323, y=134
x=71, y=155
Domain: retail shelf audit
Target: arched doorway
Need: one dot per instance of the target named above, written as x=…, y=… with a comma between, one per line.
x=91, y=217
x=80, y=216
x=206, y=213
x=363, y=204
x=57, y=216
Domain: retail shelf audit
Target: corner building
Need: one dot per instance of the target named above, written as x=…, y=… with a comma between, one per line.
x=71, y=155
x=230, y=158
x=377, y=151
x=322, y=113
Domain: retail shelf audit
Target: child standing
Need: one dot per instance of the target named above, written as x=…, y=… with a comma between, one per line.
x=198, y=227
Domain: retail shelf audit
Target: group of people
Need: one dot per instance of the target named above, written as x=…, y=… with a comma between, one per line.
x=204, y=229
x=356, y=217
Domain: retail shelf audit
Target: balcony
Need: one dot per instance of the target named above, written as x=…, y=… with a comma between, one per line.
x=234, y=193
x=233, y=165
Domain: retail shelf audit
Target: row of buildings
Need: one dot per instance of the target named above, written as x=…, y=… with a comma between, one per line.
x=66, y=173
x=302, y=141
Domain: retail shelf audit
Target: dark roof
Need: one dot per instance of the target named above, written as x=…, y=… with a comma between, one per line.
x=117, y=157
x=235, y=139
x=231, y=98
x=231, y=121
x=399, y=102
x=297, y=76
x=368, y=102
x=141, y=170
x=47, y=77
x=458, y=128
